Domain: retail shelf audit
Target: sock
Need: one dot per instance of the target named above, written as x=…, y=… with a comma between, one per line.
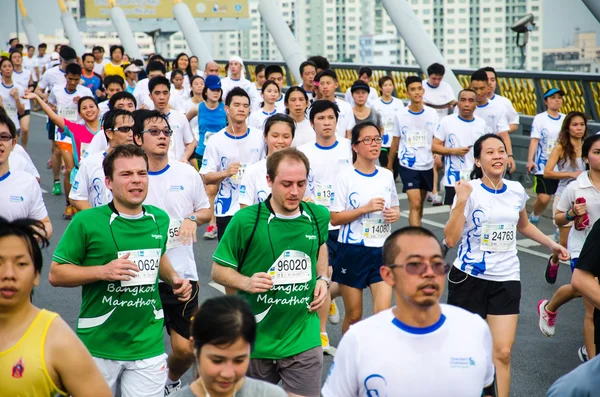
x=171, y=382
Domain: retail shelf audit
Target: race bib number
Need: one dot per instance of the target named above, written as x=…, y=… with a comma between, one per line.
x=83, y=151
x=147, y=262
x=416, y=139
x=324, y=194
x=551, y=144
x=173, y=240
x=11, y=110
x=498, y=237
x=465, y=175
x=376, y=229
x=67, y=112
x=237, y=178
x=207, y=137
x=388, y=126
x=292, y=267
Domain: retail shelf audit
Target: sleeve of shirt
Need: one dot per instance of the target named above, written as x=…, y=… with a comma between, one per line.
x=210, y=161
x=588, y=258
x=440, y=131
x=43, y=83
x=38, y=209
x=567, y=198
x=394, y=193
x=79, y=190
x=581, y=382
x=397, y=128
x=535, y=130
x=52, y=97
x=348, y=96
x=340, y=195
x=502, y=123
x=512, y=115
x=524, y=200
x=231, y=246
x=188, y=135
x=342, y=380
x=71, y=248
x=200, y=197
x=247, y=189
x=351, y=122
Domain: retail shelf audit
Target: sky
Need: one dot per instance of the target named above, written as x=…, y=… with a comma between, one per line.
x=559, y=19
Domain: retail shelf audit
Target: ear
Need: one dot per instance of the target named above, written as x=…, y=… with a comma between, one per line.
x=269, y=181
x=108, y=183
x=138, y=139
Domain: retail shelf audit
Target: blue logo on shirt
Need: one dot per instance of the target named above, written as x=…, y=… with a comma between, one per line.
x=461, y=362
x=75, y=185
x=176, y=188
x=16, y=199
x=375, y=386
x=243, y=189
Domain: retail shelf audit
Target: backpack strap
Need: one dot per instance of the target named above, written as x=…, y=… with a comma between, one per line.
x=249, y=242
x=318, y=229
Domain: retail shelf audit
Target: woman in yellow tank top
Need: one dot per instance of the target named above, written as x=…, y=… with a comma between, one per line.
x=39, y=354
x=116, y=64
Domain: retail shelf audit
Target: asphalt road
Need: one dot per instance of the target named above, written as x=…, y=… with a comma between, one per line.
x=537, y=361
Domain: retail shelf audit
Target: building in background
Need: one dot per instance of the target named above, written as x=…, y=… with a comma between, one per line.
x=583, y=55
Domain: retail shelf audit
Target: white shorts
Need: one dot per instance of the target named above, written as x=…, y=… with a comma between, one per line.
x=138, y=378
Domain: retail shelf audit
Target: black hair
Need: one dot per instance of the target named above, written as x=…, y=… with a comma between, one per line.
x=13, y=39
x=321, y=106
x=222, y=321
x=98, y=48
x=479, y=75
x=116, y=47
x=121, y=95
x=259, y=68
x=564, y=138
x=30, y=231
x=477, y=147
x=365, y=70
x=192, y=79
x=237, y=91
x=466, y=90
x=114, y=79
x=304, y=64
x=385, y=79
x=154, y=58
x=155, y=66
x=412, y=79
x=42, y=45
x=320, y=62
x=5, y=120
x=587, y=146
x=87, y=54
x=436, y=68
x=273, y=69
x=73, y=68
x=289, y=92
x=491, y=69
x=266, y=85
x=19, y=46
x=83, y=99
x=156, y=81
x=391, y=249
x=327, y=72
x=176, y=72
x=187, y=70
x=279, y=118
x=193, y=56
x=122, y=151
x=356, y=130
x=140, y=116
x=13, y=53
x=110, y=118
x=30, y=47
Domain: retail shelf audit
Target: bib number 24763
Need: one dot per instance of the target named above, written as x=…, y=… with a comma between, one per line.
x=498, y=237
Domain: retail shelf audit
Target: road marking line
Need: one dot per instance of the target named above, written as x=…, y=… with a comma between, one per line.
x=528, y=243
x=437, y=210
x=44, y=191
x=218, y=287
x=402, y=196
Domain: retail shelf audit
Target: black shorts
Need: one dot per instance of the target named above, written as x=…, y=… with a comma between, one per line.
x=51, y=128
x=332, y=245
x=178, y=314
x=449, y=194
x=197, y=157
x=543, y=185
x=222, y=222
x=413, y=179
x=357, y=266
x=483, y=297
x=27, y=113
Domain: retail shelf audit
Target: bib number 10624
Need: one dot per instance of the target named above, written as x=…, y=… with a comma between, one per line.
x=147, y=261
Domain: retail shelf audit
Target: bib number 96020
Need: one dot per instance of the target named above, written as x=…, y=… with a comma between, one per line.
x=292, y=267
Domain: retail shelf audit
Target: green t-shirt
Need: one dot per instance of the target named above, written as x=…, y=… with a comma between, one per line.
x=118, y=322
x=285, y=326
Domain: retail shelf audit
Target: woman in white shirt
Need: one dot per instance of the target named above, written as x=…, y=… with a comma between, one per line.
x=296, y=103
x=270, y=93
x=177, y=87
x=194, y=101
x=365, y=206
x=487, y=212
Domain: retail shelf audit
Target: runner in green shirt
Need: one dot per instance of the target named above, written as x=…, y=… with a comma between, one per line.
x=274, y=254
x=117, y=253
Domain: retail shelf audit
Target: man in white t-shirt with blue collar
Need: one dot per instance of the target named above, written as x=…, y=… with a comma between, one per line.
x=438, y=94
x=419, y=347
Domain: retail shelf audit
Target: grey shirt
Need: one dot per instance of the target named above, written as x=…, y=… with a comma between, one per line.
x=251, y=388
x=374, y=117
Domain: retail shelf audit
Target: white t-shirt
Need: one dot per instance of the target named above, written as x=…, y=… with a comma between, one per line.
x=304, y=133
x=66, y=106
x=455, y=132
x=102, y=110
x=546, y=130
x=258, y=117
x=223, y=149
x=99, y=67
x=491, y=216
x=41, y=63
x=19, y=160
x=183, y=94
x=10, y=104
x=227, y=84
x=186, y=81
x=21, y=197
x=511, y=113
x=280, y=104
x=187, y=106
x=52, y=77
x=382, y=356
x=326, y=163
x=438, y=96
x=179, y=190
x=89, y=182
x=30, y=64
x=345, y=120
x=22, y=79
x=182, y=134
x=373, y=97
x=99, y=144
x=254, y=188
x=355, y=189
x=494, y=114
x=388, y=112
x=415, y=131
x=141, y=92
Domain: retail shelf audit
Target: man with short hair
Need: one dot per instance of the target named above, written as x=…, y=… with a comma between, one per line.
x=308, y=71
x=438, y=94
x=364, y=74
x=328, y=83
x=321, y=62
x=117, y=253
x=41, y=60
x=12, y=44
x=99, y=60
x=177, y=189
x=454, y=342
x=211, y=69
x=511, y=113
x=236, y=78
x=91, y=79
x=275, y=73
x=141, y=92
x=283, y=300
x=182, y=142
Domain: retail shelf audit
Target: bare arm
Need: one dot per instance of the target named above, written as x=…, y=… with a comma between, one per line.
x=512, y=128
x=456, y=223
x=585, y=283
x=393, y=156
x=533, y=143
x=437, y=147
x=47, y=227
x=55, y=118
x=39, y=91
x=71, y=364
x=189, y=150
x=193, y=112
x=229, y=277
x=549, y=171
x=80, y=204
x=345, y=217
x=70, y=275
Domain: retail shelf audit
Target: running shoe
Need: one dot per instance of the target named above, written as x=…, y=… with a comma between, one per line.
x=334, y=313
x=551, y=271
x=582, y=353
x=429, y=197
x=547, y=319
x=437, y=200
x=172, y=388
x=56, y=189
x=534, y=219
x=327, y=349
x=583, y=221
x=211, y=232
x=69, y=212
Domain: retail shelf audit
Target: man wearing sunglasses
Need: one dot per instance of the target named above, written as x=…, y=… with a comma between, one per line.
x=89, y=189
x=419, y=347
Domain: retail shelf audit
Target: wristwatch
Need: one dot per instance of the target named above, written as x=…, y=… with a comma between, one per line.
x=326, y=279
x=192, y=218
